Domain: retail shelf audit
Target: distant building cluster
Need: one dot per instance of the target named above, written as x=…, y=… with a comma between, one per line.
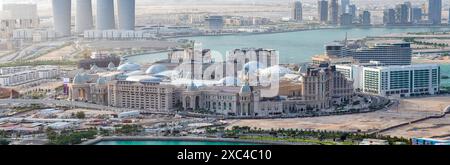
x=33, y=35
x=12, y=76
x=17, y=16
x=382, y=69
x=245, y=21
x=407, y=14
x=105, y=17
x=145, y=33
x=344, y=14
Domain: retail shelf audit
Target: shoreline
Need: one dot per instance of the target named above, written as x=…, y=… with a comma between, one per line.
x=307, y=29
x=147, y=53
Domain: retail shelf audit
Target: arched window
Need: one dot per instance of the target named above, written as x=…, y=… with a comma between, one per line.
x=188, y=102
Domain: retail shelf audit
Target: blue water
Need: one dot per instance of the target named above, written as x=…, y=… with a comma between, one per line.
x=294, y=47
x=169, y=142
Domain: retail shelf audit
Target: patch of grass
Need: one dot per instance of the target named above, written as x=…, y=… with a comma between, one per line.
x=293, y=140
x=38, y=63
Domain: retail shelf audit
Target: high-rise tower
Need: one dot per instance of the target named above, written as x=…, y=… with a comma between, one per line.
x=297, y=12
x=323, y=10
x=62, y=16
x=435, y=11
x=334, y=12
x=126, y=14
x=83, y=19
x=105, y=15
x=344, y=6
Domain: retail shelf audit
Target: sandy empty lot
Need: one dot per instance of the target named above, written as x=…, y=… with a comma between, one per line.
x=433, y=128
x=57, y=54
x=408, y=110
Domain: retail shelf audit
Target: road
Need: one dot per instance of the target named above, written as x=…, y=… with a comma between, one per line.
x=32, y=51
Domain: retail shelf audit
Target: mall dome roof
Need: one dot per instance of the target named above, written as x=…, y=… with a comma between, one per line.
x=191, y=87
x=276, y=69
x=229, y=81
x=143, y=79
x=111, y=65
x=80, y=79
x=134, y=73
x=253, y=67
x=128, y=67
x=101, y=81
x=94, y=67
x=155, y=69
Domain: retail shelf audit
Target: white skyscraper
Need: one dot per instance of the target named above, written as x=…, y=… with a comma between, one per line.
x=105, y=15
x=84, y=19
x=344, y=6
x=62, y=16
x=126, y=14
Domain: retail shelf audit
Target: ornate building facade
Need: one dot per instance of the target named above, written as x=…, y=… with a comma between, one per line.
x=160, y=88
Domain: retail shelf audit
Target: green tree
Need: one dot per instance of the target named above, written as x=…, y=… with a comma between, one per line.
x=80, y=115
x=129, y=129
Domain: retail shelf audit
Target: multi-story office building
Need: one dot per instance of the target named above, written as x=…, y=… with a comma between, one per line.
x=215, y=23
x=416, y=15
x=388, y=54
x=352, y=10
x=145, y=93
x=12, y=76
x=409, y=6
x=337, y=49
x=365, y=18
x=389, y=17
x=401, y=81
x=34, y=35
x=297, y=13
x=346, y=19
x=435, y=12
x=333, y=12
x=323, y=10
x=402, y=14
x=344, y=6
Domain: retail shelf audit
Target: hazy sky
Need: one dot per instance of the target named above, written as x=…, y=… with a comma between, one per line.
x=229, y=1
x=44, y=5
